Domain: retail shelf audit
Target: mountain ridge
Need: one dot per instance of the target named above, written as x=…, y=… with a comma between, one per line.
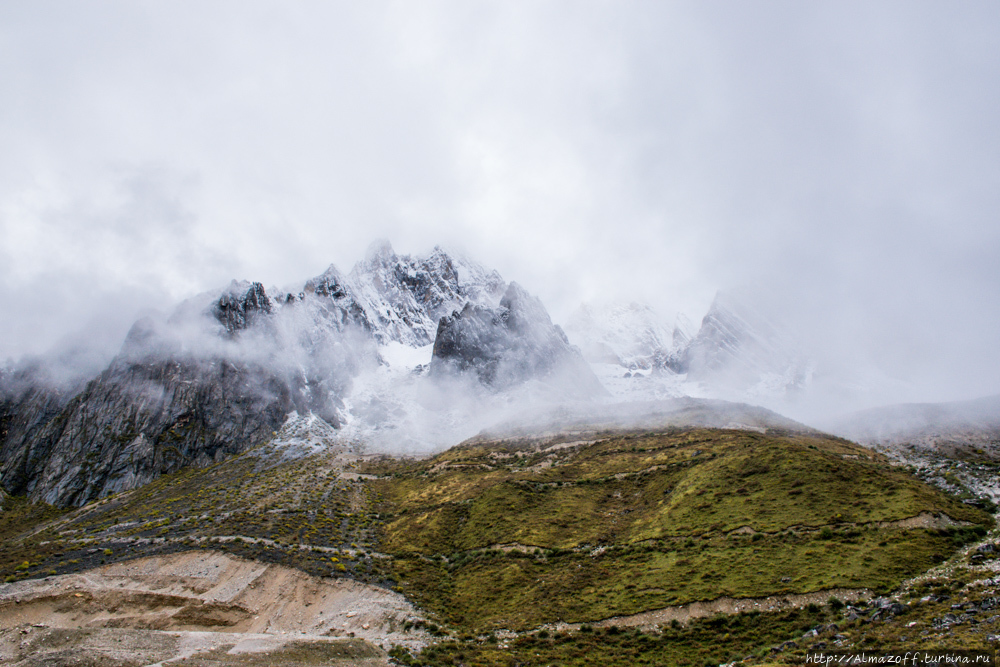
x=404, y=353
x=222, y=373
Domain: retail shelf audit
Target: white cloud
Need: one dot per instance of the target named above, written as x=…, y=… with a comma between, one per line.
x=840, y=157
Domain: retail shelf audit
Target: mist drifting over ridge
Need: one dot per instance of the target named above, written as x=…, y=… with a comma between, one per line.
x=356, y=354
x=403, y=354
x=410, y=352
x=839, y=162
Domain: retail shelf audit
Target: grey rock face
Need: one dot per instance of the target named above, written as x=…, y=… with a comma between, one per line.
x=241, y=305
x=511, y=344
x=473, y=339
x=399, y=298
x=403, y=297
x=29, y=430
x=136, y=421
x=166, y=401
x=333, y=304
x=221, y=375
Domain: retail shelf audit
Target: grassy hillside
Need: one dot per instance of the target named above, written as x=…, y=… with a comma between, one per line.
x=314, y=514
x=518, y=534
x=513, y=535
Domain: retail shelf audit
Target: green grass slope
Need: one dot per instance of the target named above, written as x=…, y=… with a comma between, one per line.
x=313, y=514
x=514, y=535
x=517, y=534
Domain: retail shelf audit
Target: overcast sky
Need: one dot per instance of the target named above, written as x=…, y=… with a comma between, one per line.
x=840, y=159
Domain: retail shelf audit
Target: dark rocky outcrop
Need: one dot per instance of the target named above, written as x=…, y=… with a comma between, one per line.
x=30, y=404
x=223, y=372
x=165, y=402
x=511, y=344
x=241, y=305
x=135, y=421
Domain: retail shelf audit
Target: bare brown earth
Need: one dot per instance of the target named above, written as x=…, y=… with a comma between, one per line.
x=199, y=606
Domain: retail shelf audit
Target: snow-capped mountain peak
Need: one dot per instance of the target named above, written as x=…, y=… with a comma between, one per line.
x=403, y=297
x=684, y=331
x=742, y=353
x=404, y=352
x=629, y=334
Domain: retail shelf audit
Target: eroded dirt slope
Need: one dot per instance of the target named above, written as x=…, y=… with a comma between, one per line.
x=196, y=605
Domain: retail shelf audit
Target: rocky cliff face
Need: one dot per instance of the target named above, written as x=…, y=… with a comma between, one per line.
x=399, y=298
x=30, y=404
x=241, y=306
x=147, y=414
x=137, y=421
x=510, y=345
x=221, y=374
x=403, y=297
x=407, y=351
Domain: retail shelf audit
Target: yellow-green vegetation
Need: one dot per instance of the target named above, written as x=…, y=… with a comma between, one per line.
x=517, y=534
x=18, y=519
x=513, y=535
x=298, y=513
x=956, y=605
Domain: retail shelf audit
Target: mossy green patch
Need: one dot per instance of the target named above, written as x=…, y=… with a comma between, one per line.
x=630, y=524
x=494, y=589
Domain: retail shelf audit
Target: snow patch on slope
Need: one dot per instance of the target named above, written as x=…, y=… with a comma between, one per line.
x=300, y=436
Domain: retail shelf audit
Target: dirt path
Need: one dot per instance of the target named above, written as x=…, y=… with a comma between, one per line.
x=648, y=620
x=932, y=520
x=728, y=605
